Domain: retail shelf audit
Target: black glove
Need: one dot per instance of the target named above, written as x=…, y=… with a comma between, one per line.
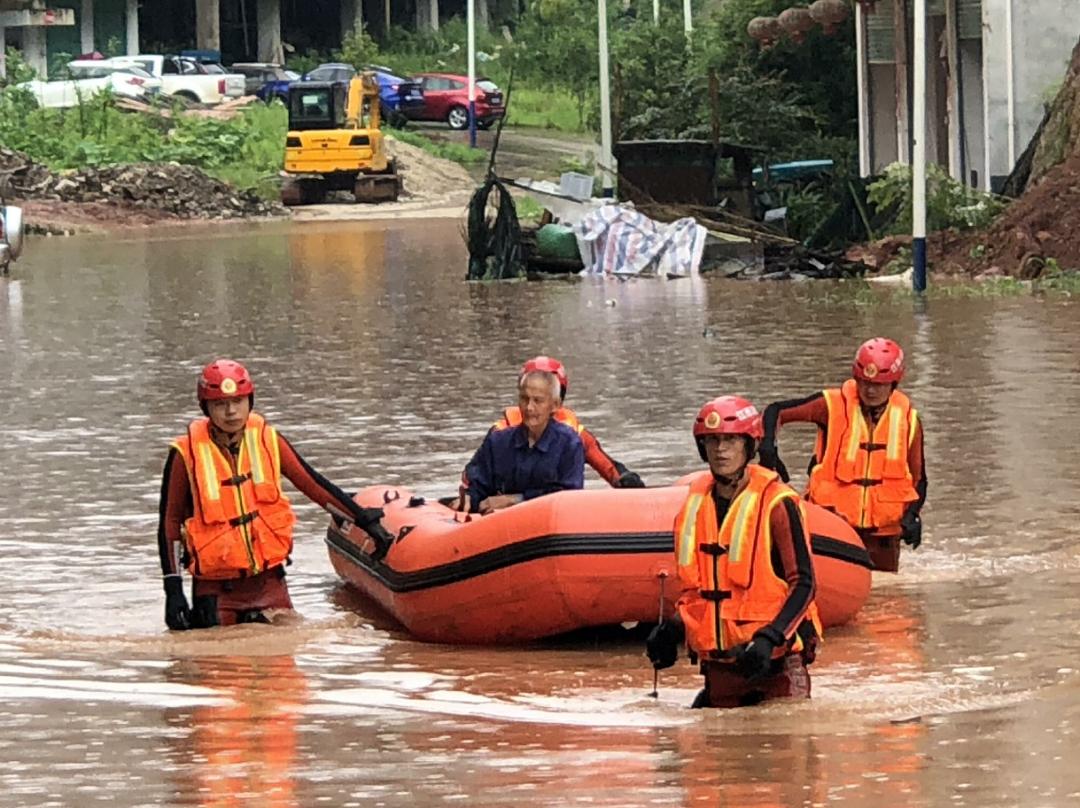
x=754, y=659
x=769, y=457
x=662, y=644
x=630, y=479
x=177, y=613
x=911, y=529
x=368, y=521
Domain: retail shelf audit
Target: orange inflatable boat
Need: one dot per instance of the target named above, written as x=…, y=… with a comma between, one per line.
x=557, y=563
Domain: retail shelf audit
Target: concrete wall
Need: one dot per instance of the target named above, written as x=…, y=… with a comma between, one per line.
x=1043, y=35
x=882, y=78
x=971, y=139
x=995, y=91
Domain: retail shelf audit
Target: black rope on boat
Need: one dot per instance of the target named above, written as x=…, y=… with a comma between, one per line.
x=494, y=240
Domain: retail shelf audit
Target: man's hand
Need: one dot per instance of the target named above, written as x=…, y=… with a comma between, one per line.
x=177, y=612
x=911, y=529
x=662, y=644
x=630, y=479
x=754, y=659
x=498, y=502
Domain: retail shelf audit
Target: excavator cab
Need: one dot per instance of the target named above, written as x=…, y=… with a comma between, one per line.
x=335, y=143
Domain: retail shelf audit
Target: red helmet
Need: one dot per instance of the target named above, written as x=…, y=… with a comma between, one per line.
x=879, y=360
x=729, y=415
x=546, y=364
x=224, y=378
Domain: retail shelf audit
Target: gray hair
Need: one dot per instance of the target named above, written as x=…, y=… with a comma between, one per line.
x=550, y=378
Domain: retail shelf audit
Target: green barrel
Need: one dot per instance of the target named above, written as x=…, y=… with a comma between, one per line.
x=557, y=241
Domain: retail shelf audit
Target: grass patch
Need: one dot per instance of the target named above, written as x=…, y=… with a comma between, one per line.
x=246, y=150
x=457, y=152
x=528, y=209
x=544, y=109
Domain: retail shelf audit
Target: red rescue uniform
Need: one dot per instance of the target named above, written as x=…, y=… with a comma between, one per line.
x=871, y=471
x=223, y=507
x=745, y=568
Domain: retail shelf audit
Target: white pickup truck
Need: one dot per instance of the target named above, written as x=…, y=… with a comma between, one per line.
x=187, y=78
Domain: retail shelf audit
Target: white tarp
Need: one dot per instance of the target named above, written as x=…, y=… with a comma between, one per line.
x=616, y=240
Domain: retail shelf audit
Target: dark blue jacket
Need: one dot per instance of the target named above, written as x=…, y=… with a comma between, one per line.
x=504, y=463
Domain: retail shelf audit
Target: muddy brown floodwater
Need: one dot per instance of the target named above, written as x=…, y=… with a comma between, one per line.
x=958, y=685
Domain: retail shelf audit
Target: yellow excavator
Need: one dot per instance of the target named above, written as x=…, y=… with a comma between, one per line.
x=335, y=144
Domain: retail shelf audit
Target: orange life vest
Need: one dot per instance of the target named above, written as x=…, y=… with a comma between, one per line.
x=512, y=417
x=242, y=524
x=865, y=477
x=730, y=587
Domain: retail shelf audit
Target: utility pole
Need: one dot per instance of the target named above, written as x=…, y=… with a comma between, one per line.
x=471, y=14
x=918, y=153
x=607, y=160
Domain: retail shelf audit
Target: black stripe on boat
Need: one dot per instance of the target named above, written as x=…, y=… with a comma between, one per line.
x=502, y=557
x=544, y=547
x=840, y=550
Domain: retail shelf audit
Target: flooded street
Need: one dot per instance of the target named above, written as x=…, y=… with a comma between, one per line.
x=959, y=684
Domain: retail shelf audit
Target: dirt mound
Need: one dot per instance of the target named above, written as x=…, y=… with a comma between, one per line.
x=427, y=177
x=1043, y=223
x=176, y=190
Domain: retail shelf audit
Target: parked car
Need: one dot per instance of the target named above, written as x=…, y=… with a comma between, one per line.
x=267, y=81
x=446, y=98
x=87, y=78
x=187, y=78
x=397, y=96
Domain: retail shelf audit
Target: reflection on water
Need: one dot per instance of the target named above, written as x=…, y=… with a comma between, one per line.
x=957, y=685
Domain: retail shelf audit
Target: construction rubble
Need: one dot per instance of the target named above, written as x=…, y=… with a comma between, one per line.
x=179, y=191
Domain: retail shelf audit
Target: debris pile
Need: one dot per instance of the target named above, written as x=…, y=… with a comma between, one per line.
x=180, y=191
x=1043, y=223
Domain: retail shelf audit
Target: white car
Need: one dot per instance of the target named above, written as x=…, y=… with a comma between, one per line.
x=88, y=77
x=187, y=78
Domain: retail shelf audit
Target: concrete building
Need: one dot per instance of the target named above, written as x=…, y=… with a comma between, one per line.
x=25, y=24
x=992, y=66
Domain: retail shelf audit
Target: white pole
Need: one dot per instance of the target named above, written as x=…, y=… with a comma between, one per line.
x=607, y=161
x=861, y=81
x=471, y=11
x=656, y=12
x=3, y=54
x=132, y=27
x=688, y=19
x=1010, y=84
x=918, y=154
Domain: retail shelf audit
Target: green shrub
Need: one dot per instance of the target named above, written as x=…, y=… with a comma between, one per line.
x=949, y=203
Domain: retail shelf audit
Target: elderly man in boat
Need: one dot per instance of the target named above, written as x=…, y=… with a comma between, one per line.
x=538, y=456
x=868, y=464
x=742, y=551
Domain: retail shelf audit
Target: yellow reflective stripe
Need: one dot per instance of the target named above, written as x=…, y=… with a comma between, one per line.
x=275, y=452
x=856, y=436
x=738, y=533
x=913, y=425
x=209, y=471
x=688, y=537
x=895, y=446
x=251, y=440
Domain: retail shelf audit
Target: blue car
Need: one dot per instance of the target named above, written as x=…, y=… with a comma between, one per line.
x=396, y=95
x=267, y=81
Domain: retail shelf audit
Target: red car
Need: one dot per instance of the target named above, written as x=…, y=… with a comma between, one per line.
x=446, y=98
